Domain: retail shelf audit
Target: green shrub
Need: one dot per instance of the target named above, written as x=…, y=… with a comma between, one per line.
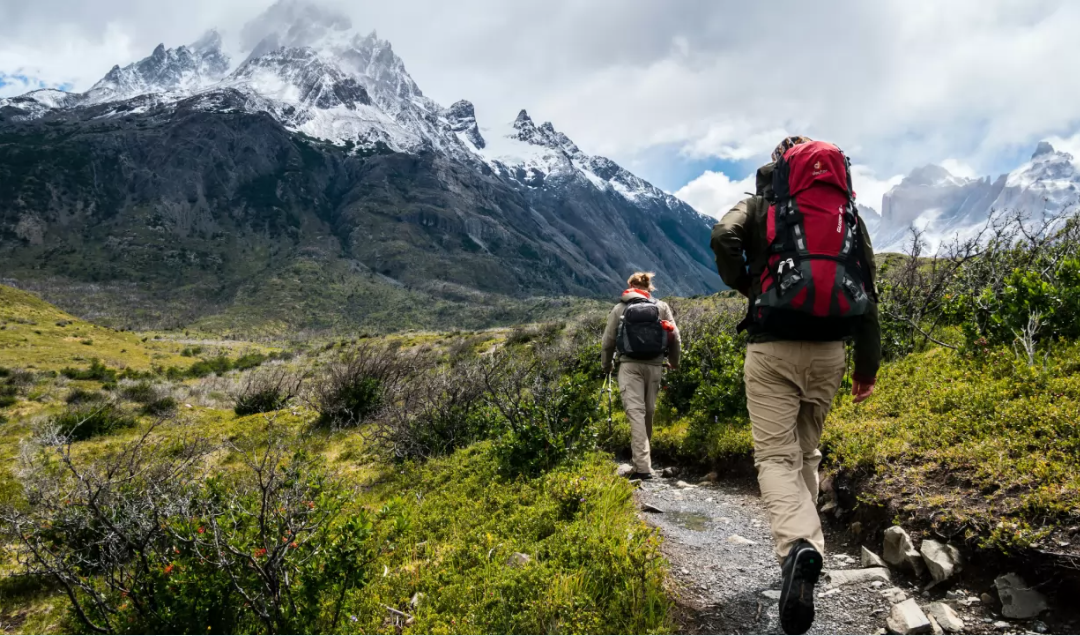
x=545, y=415
x=364, y=380
x=266, y=392
x=142, y=543
x=219, y=365
x=82, y=396
x=81, y=422
x=249, y=361
x=97, y=372
x=142, y=392
x=160, y=407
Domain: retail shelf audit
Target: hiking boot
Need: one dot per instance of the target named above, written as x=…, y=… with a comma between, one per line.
x=801, y=570
x=633, y=476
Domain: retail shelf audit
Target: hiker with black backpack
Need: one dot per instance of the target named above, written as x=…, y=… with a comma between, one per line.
x=809, y=276
x=641, y=329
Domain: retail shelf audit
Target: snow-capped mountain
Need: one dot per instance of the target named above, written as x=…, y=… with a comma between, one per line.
x=944, y=205
x=305, y=132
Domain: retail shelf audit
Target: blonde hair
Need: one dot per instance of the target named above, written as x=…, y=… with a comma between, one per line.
x=641, y=280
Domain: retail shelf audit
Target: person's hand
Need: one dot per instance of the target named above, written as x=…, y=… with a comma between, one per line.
x=667, y=365
x=861, y=390
x=606, y=370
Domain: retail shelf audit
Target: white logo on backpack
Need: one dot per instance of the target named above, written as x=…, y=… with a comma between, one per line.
x=840, y=221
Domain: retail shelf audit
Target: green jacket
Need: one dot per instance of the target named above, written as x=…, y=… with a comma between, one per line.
x=742, y=230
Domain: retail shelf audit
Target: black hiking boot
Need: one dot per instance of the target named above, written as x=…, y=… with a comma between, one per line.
x=644, y=476
x=801, y=570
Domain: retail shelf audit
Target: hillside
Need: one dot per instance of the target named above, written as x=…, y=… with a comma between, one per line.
x=37, y=335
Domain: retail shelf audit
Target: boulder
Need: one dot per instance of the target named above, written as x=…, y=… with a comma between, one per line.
x=871, y=560
x=669, y=472
x=941, y=559
x=946, y=617
x=894, y=595
x=908, y=618
x=935, y=629
x=1018, y=600
x=900, y=552
x=623, y=470
x=518, y=560
x=838, y=578
x=651, y=508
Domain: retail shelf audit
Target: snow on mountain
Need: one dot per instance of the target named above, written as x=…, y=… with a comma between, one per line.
x=943, y=205
x=308, y=68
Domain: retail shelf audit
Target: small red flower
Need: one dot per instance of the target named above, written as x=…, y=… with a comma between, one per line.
x=293, y=545
x=201, y=530
x=260, y=552
x=169, y=568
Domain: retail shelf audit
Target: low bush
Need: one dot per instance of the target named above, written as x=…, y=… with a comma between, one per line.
x=81, y=422
x=97, y=371
x=360, y=383
x=142, y=542
x=82, y=396
x=141, y=392
x=160, y=407
x=437, y=412
x=266, y=392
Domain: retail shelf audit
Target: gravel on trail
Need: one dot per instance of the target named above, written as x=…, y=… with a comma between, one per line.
x=718, y=542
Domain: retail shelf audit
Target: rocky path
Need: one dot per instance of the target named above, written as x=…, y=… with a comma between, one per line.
x=718, y=543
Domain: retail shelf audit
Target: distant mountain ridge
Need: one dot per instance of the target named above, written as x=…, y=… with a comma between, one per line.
x=944, y=205
x=192, y=179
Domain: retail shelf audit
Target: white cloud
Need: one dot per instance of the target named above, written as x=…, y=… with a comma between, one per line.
x=869, y=189
x=714, y=193
x=1070, y=145
x=910, y=82
x=959, y=168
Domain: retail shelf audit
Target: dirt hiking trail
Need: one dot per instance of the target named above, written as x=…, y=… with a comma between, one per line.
x=716, y=537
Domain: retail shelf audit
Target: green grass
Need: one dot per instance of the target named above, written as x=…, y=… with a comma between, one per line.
x=451, y=526
x=983, y=443
x=35, y=334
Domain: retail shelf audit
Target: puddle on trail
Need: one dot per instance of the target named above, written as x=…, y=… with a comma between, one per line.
x=690, y=520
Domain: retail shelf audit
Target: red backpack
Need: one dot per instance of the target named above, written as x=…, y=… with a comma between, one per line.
x=814, y=285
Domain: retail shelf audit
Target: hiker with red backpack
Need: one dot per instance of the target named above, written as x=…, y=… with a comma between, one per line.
x=641, y=329
x=809, y=276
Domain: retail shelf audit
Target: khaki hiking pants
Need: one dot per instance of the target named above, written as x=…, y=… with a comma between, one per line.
x=639, y=384
x=789, y=389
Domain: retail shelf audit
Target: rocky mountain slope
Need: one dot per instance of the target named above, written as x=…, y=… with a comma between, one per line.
x=312, y=176
x=944, y=205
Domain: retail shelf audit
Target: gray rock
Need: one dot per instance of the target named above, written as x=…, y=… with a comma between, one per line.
x=839, y=578
x=1018, y=600
x=683, y=484
x=669, y=472
x=773, y=595
x=941, y=559
x=518, y=560
x=623, y=470
x=894, y=595
x=712, y=477
x=985, y=599
x=1001, y=625
x=935, y=628
x=871, y=560
x=908, y=618
x=1039, y=627
x=740, y=540
x=651, y=508
x=828, y=507
x=946, y=617
x=900, y=552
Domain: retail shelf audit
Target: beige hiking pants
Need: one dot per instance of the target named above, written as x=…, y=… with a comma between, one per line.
x=789, y=389
x=639, y=383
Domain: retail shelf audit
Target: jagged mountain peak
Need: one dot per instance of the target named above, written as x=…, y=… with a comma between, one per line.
x=1044, y=148
x=461, y=116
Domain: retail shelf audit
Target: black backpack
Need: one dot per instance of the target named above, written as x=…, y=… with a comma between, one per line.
x=641, y=336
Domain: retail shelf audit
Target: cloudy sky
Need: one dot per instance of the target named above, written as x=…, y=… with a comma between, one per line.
x=690, y=94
